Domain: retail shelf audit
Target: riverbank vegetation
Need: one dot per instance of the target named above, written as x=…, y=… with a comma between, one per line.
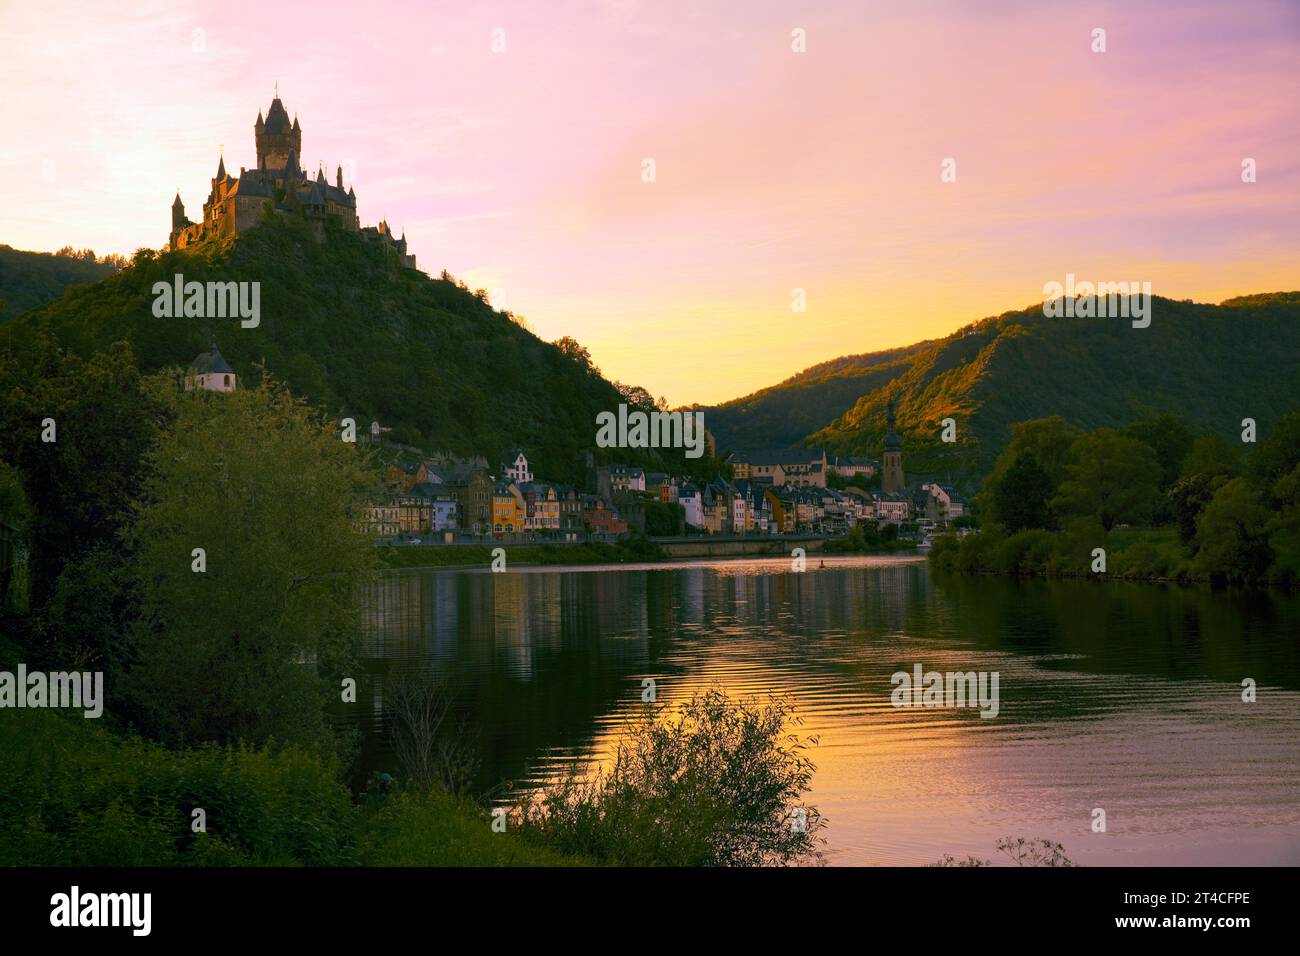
x=1161, y=501
x=1020, y=852
x=713, y=782
x=634, y=548
x=869, y=539
x=73, y=793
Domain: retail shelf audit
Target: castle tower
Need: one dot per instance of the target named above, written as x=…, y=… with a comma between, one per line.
x=178, y=214
x=891, y=478
x=277, y=138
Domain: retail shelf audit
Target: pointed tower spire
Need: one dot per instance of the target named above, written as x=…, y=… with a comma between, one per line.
x=221, y=167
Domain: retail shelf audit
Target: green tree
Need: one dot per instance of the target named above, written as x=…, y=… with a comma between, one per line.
x=1188, y=498
x=253, y=646
x=1211, y=455
x=1169, y=438
x=78, y=485
x=14, y=517
x=1285, y=535
x=1232, y=533
x=1110, y=476
x=1047, y=441
x=1278, y=451
x=1021, y=497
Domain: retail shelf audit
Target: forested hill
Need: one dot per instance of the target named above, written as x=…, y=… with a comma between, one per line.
x=784, y=415
x=351, y=330
x=1208, y=365
x=28, y=279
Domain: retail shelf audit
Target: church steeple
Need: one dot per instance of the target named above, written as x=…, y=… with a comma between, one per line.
x=891, y=478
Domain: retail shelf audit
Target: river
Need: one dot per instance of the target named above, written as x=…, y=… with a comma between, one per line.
x=1113, y=696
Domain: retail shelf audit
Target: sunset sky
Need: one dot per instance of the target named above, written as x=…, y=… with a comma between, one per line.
x=520, y=171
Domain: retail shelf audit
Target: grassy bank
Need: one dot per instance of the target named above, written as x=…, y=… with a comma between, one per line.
x=469, y=555
x=868, y=539
x=1132, y=554
x=74, y=794
x=637, y=551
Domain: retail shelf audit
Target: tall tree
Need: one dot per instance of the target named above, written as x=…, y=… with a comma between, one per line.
x=1232, y=533
x=250, y=643
x=1045, y=440
x=1169, y=438
x=1021, y=497
x=1111, y=477
x=77, y=431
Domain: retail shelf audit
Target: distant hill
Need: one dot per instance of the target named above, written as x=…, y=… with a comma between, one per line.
x=351, y=330
x=1208, y=365
x=784, y=415
x=29, y=279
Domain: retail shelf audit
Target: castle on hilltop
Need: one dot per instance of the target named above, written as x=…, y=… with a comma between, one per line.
x=278, y=186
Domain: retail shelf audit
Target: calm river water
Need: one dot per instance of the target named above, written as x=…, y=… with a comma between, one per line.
x=1125, y=697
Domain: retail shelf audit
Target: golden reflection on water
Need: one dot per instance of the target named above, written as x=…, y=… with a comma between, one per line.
x=1124, y=697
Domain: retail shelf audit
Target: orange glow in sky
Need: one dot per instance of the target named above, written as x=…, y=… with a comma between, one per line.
x=519, y=168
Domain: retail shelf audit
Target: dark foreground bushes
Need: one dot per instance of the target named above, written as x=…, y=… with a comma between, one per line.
x=71, y=794
x=713, y=782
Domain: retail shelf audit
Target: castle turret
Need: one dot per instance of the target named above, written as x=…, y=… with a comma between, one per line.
x=221, y=169
x=340, y=179
x=276, y=138
x=178, y=214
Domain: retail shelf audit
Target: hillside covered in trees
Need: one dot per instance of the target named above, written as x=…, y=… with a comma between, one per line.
x=29, y=279
x=1210, y=366
x=345, y=326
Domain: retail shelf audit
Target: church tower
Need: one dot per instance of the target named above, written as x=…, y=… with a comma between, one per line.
x=891, y=478
x=278, y=141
